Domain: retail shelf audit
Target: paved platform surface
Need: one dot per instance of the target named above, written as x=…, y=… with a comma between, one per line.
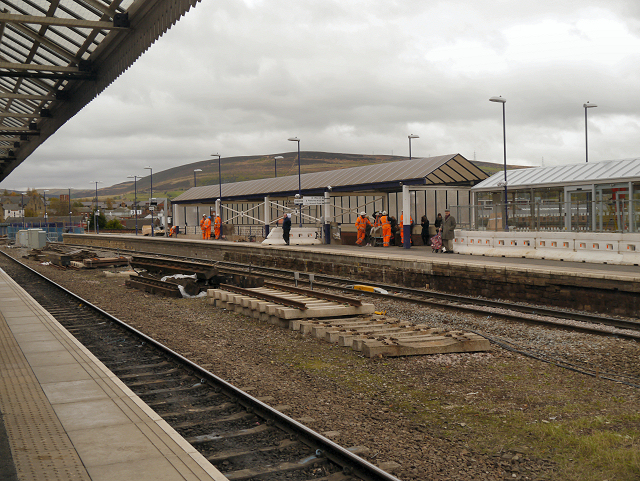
x=67, y=417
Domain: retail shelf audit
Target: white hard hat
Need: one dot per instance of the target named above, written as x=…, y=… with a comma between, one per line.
x=363, y=213
x=384, y=212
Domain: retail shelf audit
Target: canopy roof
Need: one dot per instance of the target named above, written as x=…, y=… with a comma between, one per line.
x=451, y=169
x=607, y=171
x=57, y=55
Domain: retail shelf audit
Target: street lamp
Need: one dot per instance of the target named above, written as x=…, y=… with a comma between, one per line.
x=135, y=197
x=194, y=176
x=586, y=142
x=44, y=195
x=69, y=209
x=151, y=208
x=22, y=202
x=411, y=136
x=219, y=176
x=296, y=139
x=504, y=137
x=95, y=216
x=275, y=164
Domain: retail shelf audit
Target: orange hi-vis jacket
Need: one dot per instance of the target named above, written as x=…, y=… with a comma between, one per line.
x=362, y=222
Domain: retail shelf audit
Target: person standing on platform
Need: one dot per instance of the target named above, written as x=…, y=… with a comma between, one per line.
x=202, y=229
x=394, y=230
x=424, y=222
x=402, y=228
x=286, y=228
x=361, y=225
x=217, y=226
x=207, y=228
x=438, y=223
x=448, y=231
x=386, y=229
x=173, y=232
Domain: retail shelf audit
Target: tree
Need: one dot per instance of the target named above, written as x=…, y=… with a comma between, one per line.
x=109, y=202
x=29, y=212
x=113, y=224
x=102, y=220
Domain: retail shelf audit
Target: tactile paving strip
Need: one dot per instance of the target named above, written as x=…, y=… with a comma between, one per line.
x=40, y=447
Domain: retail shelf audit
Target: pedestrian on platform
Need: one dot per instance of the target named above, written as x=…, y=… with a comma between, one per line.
x=217, y=226
x=424, y=222
x=207, y=228
x=386, y=229
x=362, y=223
x=202, y=228
x=448, y=231
x=286, y=228
x=438, y=223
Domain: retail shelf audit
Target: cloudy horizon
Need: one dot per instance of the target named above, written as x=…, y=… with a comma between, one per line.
x=241, y=77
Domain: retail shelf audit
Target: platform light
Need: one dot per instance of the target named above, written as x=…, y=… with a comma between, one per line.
x=296, y=139
x=194, y=176
x=586, y=141
x=504, y=137
x=150, y=194
x=411, y=136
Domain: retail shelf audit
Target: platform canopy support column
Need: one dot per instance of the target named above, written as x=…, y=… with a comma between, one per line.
x=327, y=218
x=406, y=209
x=267, y=216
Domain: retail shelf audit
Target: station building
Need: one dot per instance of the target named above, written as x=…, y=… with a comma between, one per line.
x=324, y=203
x=583, y=212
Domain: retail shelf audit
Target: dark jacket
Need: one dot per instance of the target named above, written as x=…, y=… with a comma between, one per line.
x=286, y=224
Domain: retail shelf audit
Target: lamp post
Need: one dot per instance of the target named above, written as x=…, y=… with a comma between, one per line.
x=151, y=208
x=69, y=209
x=411, y=136
x=44, y=196
x=95, y=215
x=219, y=175
x=275, y=164
x=586, y=142
x=22, y=194
x=504, y=137
x=296, y=139
x=194, y=176
x=135, y=197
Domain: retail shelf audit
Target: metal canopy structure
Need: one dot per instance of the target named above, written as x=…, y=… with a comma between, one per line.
x=624, y=170
x=58, y=55
x=453, y=170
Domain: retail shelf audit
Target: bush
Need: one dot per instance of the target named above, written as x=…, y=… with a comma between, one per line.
x=113, y=224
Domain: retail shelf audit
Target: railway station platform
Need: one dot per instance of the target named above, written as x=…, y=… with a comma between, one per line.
x=603, y=288
x=65, y=416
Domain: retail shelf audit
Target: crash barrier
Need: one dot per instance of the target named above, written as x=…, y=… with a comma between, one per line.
x=298, y=236
x=609, y=248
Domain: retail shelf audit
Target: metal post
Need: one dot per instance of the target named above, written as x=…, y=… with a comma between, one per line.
x=69, y=209
x=586, y=140
x=296, y=139
x=267, y=216
x=411, y=136
x=504, y=136
x=151, y=208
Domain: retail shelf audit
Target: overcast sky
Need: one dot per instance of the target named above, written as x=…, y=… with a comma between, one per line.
x=240, y=77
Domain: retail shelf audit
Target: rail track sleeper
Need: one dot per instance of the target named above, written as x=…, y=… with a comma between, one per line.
x=237, y=453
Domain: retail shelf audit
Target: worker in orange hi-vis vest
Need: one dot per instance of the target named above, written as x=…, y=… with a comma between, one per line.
x=361, y=226
x=202, y=228
x=386, y=229
x=207, y=228
x=217, y=227
x=402, y=228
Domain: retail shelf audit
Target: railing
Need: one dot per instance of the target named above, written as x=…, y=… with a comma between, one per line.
x=587, y=216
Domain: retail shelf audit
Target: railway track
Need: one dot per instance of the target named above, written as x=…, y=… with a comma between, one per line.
x=242, y=436
x=556, y=318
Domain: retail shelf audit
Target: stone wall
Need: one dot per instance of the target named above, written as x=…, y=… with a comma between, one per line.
x=591, y=291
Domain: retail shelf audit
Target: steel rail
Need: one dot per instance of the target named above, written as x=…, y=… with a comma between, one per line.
x=324, y=447
x=452, y=299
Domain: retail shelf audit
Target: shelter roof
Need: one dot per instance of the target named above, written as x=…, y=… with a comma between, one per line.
x=607, y=171
x=451, y=169
x=57, y=55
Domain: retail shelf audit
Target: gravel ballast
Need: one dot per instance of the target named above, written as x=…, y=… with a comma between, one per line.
x=493, y=415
